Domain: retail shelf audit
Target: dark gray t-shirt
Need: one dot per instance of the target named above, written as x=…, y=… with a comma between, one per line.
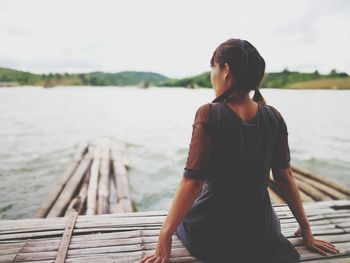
x=233, y=219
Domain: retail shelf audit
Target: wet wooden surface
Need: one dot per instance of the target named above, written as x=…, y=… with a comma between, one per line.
x=127, y=237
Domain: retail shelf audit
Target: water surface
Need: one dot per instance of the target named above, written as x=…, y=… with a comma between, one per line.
x=40, y=129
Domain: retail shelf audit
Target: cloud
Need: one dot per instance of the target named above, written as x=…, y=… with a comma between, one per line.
x=175, y=38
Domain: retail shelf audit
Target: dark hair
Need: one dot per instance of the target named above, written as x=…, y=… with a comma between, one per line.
x=246, y=64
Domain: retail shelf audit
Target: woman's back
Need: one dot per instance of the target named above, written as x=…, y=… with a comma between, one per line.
x=233, y=214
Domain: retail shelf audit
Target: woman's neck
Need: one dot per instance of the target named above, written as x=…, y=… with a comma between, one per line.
x=239, y=98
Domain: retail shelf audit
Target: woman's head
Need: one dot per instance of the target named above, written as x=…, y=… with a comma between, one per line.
x=237, y=67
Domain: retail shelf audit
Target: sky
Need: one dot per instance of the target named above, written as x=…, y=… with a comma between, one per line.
x=173, y=38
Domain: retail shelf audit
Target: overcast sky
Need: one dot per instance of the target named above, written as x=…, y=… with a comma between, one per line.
x=175, y=38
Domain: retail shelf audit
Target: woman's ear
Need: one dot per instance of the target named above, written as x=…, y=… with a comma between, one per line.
x=226, y=70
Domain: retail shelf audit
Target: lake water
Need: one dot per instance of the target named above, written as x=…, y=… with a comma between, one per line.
x=40, y=129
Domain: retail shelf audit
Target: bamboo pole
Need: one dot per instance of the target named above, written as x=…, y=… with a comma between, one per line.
x=322, y=187
x=103, y=187
x=68, y=232
x=304, y=196
x=92, y=189
x=112, y=193
x=123, y=192
x=81, y=197
x=50, y=200
x=71, y=187
x=311, y=191
x=83, y=191
x=341, y=188
x=275, y=198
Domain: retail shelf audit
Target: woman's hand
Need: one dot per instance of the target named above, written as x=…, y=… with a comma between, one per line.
x=163, y=250
x=316, y=245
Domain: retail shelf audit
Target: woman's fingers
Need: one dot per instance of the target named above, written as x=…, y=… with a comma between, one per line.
x=316, y=249
x=322, y=248
x=152, y=259
x=326, y=247
x=145, y=258
x=325, y=242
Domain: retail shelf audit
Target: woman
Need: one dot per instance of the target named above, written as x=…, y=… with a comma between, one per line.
x=235, y=142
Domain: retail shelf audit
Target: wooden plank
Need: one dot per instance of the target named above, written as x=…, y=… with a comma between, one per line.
x=83, y=191
x=305, y=254
x=50, y=200
x=70, y=189
x=339, y=187
x=311, y=191
x=92, y=189
x=275, y=198
x=122, y=183
x=322, y=187
x=125, y=237
x=112, y=194
x=39, y=226
x=83, y=245
x=103, y=189
x=67, y=235
x=330, y=260
x=304, y=197
x=22, y=225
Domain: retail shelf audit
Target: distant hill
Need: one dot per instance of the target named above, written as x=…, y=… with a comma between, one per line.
x=294, y=79
x=124, y=78
x=282, y=80
x=201, y=80
x=336, y=83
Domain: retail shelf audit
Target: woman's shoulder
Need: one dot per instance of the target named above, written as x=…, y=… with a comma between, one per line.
x=275, y=111
x=203, y=112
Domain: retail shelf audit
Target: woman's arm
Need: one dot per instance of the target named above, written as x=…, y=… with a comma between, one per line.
x=195, y=173
x=187, y=191
x=285, y=182
x=289, y=190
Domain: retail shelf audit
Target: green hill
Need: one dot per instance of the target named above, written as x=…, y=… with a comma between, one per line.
x=285, y=79
x=124, y=78
x=202, y=80
x=337, y=83
x=282, y=80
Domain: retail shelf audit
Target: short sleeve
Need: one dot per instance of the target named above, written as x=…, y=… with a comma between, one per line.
x=200, y=149
x=281, y=154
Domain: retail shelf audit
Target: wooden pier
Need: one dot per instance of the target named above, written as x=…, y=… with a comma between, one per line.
x=128, y=237
x=88, y=216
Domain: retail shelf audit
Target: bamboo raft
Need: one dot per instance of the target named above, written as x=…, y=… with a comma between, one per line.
x=89, y=217
x=128, y=237
x=312, y=187
x=95, y=182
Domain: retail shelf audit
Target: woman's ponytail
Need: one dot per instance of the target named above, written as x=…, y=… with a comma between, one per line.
x=258, y=97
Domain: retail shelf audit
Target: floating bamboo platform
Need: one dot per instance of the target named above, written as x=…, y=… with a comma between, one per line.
x=88, y=216
x=95, y=182
x=128, y=237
